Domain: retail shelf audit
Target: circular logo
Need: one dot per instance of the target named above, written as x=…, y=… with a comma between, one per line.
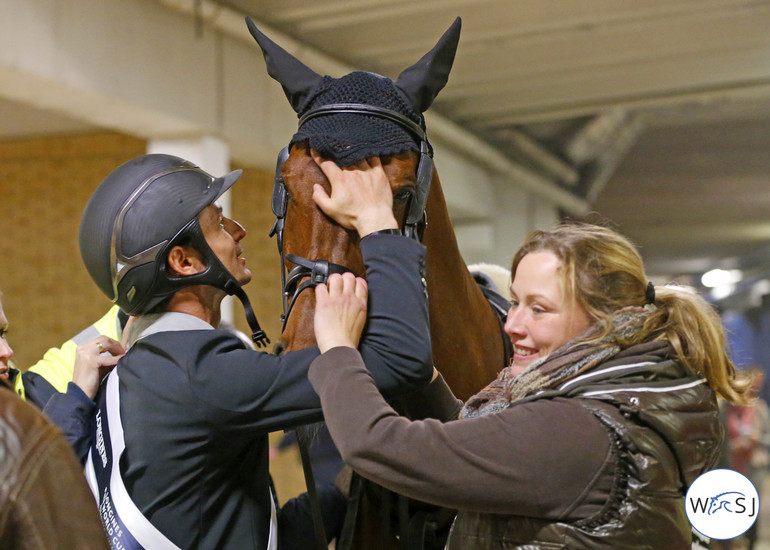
x=722, y=504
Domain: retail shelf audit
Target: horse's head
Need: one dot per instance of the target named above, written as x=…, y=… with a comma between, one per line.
x=348, y=119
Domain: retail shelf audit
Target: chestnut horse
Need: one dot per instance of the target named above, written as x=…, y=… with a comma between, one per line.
x=467, y=342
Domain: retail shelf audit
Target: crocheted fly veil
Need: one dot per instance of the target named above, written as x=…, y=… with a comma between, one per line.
x=348, y=138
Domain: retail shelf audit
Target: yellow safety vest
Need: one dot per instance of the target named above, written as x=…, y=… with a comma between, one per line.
x=57, y=364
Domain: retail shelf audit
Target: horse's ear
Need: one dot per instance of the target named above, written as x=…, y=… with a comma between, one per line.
x=294, y=76
x=424, y=80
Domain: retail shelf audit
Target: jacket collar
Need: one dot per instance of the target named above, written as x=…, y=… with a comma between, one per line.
x=169, y=321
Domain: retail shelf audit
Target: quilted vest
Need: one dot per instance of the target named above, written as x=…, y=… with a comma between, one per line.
x=665, y=433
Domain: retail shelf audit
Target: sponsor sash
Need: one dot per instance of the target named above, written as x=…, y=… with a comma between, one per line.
x=127, y=528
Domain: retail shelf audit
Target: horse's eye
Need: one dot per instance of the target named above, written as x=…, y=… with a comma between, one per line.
x=403, y=194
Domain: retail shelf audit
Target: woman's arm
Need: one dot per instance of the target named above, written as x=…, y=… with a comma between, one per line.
x=538, y=459
x=73, y=411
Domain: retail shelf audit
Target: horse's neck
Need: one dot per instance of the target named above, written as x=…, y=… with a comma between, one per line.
x=465, y=333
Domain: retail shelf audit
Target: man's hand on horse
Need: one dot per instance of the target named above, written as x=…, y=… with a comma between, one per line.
x=361, y=197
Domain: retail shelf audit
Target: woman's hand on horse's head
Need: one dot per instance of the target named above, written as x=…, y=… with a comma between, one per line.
x=361, y=197
x=340, y=311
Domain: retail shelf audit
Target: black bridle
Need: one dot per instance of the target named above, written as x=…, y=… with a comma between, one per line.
x=309, y=273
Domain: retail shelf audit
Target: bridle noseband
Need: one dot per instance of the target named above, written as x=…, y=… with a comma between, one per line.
x=318, y=271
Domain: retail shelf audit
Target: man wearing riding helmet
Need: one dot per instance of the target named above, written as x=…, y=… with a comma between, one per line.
x=189, y=403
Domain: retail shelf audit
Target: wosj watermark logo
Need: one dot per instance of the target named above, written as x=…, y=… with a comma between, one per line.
x=722, y=504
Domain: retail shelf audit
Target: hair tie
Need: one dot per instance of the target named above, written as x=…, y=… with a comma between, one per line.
x=649, y=294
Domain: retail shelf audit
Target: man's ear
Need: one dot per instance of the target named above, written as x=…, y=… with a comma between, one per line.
x=184, y=261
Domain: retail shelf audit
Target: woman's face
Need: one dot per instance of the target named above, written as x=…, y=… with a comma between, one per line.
x=5, y=349
x=541, y=319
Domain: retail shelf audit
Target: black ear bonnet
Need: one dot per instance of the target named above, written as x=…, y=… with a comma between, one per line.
x=350, y=138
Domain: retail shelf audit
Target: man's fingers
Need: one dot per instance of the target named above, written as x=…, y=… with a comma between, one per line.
x=363, y=164
x=321, y=197
x=328, y=167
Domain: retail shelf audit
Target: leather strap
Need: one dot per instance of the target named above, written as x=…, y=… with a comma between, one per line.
x=315, y=507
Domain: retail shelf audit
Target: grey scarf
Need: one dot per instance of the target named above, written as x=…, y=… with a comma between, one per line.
x=573, y=358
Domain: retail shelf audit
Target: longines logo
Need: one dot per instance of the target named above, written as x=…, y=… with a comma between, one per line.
x=722, y=504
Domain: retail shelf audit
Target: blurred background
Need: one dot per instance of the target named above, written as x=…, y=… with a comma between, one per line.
x=653, y=116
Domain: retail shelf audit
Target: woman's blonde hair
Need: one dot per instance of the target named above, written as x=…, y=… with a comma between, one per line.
x=603, y=271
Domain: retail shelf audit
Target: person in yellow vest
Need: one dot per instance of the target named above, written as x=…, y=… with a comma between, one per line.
x=54, y=370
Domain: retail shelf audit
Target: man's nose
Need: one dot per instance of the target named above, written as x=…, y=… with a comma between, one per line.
x=235, y=229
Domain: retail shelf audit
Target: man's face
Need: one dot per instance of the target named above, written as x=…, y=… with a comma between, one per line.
x=224, y=235
x=5, y=349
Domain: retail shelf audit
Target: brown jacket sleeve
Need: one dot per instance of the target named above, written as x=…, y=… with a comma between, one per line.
x=539, y=459
x=44, y=499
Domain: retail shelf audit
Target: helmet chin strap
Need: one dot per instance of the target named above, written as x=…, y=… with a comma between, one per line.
x=216, y=275
x=258, y=336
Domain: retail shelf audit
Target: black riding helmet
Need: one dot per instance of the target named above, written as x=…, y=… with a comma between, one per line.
x=136, y=215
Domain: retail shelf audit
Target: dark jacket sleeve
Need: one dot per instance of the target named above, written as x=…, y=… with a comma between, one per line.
x=539, y=459
x=37, y=389
x=273, y=392
x=73, y=413
x=396, y=344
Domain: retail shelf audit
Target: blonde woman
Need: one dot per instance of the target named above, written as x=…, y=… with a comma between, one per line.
x=589, y=439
